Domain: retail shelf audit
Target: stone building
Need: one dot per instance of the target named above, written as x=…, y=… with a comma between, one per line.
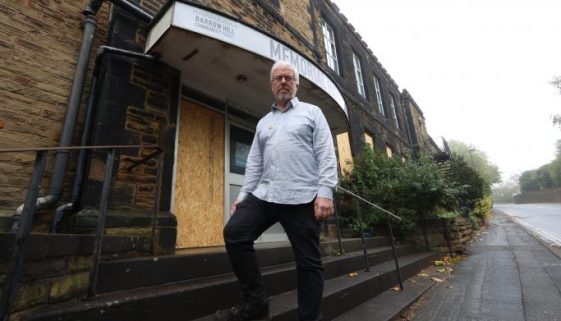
x=190, y=77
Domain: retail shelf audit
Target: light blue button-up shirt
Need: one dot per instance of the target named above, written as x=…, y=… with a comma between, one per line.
x=292, y=158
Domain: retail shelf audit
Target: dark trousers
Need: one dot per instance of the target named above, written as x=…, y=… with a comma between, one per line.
x=252, y=217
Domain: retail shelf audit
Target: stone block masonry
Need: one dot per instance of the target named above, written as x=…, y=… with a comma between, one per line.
x=57, y=267
x=39, y=42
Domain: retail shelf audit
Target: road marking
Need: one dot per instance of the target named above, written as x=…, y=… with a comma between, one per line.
x=548, y=238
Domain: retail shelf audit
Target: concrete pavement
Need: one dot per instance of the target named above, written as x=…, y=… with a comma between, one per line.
x=508, y=276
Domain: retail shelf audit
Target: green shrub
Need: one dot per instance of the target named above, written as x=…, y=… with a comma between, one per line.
x=411, y=190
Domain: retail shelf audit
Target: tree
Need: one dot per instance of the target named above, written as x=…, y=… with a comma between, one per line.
x=505, y=191
x=473, y=187
x=556, y=82
x=476, y=159
x=555, y=166
x=547, y=176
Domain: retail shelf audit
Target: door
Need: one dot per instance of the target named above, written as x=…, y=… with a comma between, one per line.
x=239, y=140
x=199, y=182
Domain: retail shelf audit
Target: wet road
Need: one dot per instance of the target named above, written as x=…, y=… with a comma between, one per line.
x=507, y=276
x=544, y=219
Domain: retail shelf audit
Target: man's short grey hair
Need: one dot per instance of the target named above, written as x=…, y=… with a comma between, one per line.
x=281, y=63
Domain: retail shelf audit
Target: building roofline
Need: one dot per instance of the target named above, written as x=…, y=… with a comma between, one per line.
x=358, y=37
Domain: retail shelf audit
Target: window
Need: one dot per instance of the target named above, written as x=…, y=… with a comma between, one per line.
x=368, y=139
x=344, y=151
x=379, y=96
x=330, y=49
x=394, y=113
x=358, y=76
x=389, y=151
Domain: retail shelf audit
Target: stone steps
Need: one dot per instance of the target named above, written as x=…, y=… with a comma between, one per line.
x=202, y=290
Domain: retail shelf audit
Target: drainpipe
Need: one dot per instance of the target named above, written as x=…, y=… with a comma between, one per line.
x=61, y=159
x=72, y=206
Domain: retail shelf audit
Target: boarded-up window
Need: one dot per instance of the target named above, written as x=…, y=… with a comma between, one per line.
x=344, y=151
x=389, y=151
x=369, y=140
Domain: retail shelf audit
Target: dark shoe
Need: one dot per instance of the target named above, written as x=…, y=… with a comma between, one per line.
x=244, y=311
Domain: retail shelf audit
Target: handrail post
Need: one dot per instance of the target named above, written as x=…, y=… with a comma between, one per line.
x=100, y=230
x=15, y=267
x=447, y=236
x=159, y=169
x=389, y=215
x=364, y=249
x=424, y=228
x=398, y=271
x=337, y=225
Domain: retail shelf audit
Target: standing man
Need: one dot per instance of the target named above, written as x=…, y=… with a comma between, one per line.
x=289, y=178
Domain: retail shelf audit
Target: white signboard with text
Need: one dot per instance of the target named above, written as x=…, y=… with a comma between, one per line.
x=224, y=29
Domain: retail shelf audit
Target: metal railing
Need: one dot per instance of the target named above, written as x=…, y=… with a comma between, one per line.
x=15, y=265
x=389, y=216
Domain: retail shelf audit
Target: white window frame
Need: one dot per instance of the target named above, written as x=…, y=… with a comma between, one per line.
x=358, y=76
x=330, y=46
x=379, y=96
x=394, y=111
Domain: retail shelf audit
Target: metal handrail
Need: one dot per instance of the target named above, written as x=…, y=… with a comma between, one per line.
x=69, y=148
x=370, y=203
x=388, y=218
x=15, y=266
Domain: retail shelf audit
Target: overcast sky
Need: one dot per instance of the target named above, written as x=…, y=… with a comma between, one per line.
x=479, y=69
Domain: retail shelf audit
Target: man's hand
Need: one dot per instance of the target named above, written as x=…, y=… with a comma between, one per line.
x=234, y=206
x=323, y=208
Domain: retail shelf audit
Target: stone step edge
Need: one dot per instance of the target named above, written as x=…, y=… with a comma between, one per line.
x=106, y=287
x=389, y=305
x=286, y=303
x=107, y=300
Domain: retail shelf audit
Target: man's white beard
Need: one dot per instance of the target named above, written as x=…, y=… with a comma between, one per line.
x=284, y=97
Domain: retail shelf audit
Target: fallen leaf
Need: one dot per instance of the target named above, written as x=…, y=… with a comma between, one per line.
x=436, y=280
x=396, y=288
x=422, y=274
x=445, y=270
x=353, y=274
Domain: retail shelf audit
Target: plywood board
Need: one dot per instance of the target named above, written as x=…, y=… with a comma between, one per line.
x=199, y=186
x=369, y=140
x=389, y=151
x=344, y=151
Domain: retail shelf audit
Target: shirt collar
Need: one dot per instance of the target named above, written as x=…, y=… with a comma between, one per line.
x=292, y=103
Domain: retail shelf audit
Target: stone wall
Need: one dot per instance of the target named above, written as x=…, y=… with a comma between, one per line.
x=458, y=230
x=137, y=105
x=420, y=139
x=363, y=111
x=552, y=195
x=39, y=43
x=57, y=267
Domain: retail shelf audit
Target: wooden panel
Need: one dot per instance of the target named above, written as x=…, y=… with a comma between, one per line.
x=369, y=140
x=345, y=155
x=199, y=186
x=389, y=151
